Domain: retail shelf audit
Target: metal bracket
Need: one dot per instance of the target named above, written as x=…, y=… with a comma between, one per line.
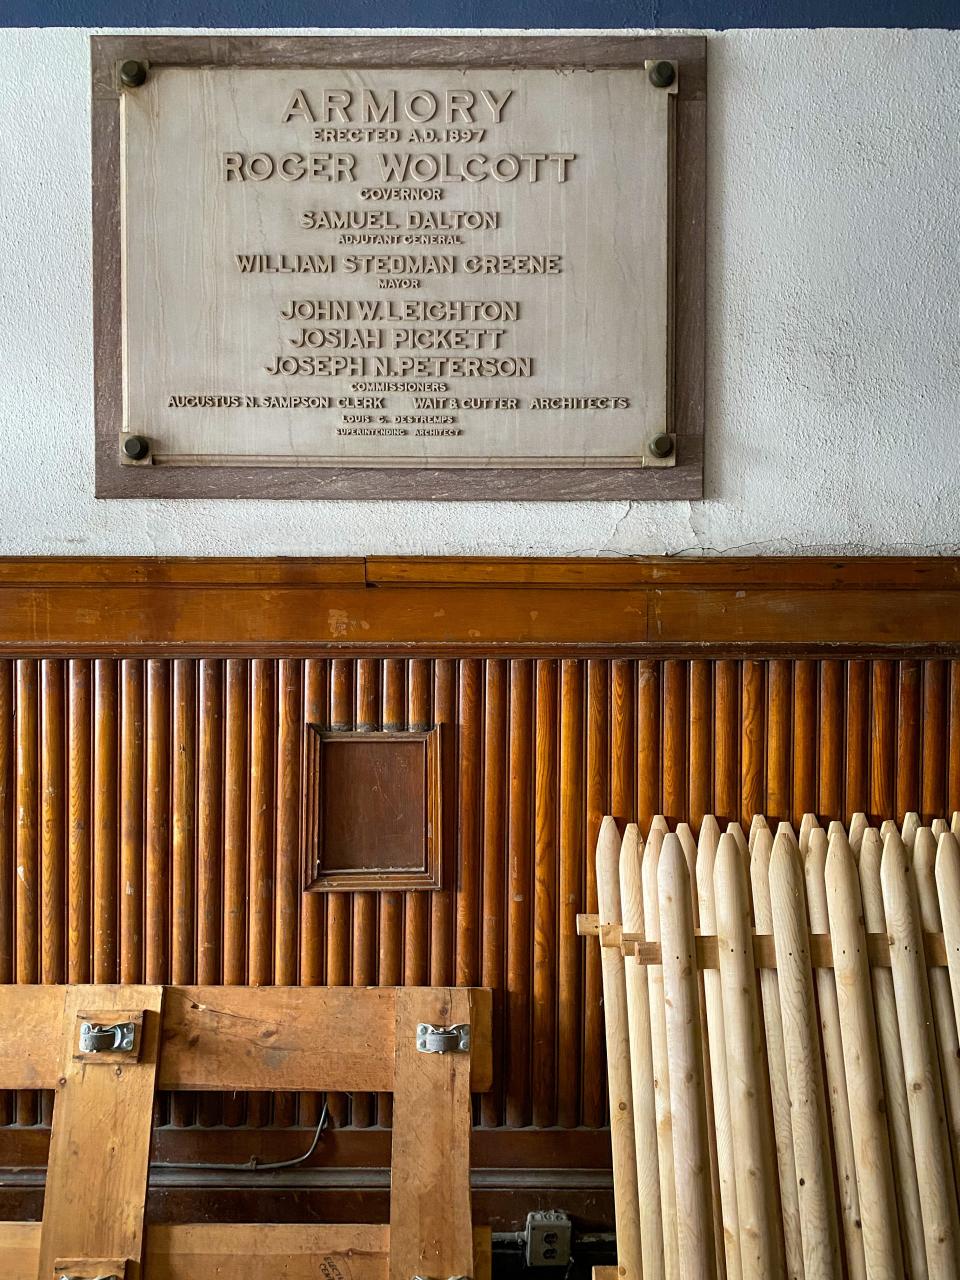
x=118, y=1037
x=455, y=1039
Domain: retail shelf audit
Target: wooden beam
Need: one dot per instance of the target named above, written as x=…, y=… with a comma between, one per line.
x=245, y=1038
x=96, y=1185
x=764, y=951
x=210, y=1251
x=430, y=1215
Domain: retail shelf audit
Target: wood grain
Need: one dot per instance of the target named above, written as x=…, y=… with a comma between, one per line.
x=938, y=1203
x=685, y=1052
x=641, y=1063
x=761, y=1251
x=878, y=1212
x=810, y=1141
x=616, y=1024
x=430, y=1218
x=96, y=1185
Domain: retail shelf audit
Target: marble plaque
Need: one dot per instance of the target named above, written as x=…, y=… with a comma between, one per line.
x=396, y=268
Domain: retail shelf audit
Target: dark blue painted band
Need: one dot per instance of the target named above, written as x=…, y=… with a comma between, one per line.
x=550, y=14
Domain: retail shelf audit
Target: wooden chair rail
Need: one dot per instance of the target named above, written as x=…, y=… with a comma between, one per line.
x=657, y=604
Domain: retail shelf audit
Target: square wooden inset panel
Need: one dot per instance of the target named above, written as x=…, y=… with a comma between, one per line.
x=372, y=810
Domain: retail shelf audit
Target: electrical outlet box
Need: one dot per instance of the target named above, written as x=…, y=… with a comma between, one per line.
x=547, y=1236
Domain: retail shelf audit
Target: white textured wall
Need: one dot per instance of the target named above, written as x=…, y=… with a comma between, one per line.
x=833, y=404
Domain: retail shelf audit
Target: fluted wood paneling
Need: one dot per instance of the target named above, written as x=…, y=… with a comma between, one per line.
x=150, y=823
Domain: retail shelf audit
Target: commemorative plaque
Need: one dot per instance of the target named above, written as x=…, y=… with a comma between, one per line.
x=399, y=268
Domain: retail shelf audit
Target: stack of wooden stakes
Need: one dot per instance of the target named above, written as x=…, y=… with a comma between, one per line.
x=783, y=1058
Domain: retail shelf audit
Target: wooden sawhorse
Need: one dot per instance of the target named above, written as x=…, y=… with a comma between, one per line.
x=105, y=1050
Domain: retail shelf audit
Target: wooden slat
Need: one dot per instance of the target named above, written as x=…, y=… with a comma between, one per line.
x=776, y=1054
x=811, y=1146
x=641, y=1064
x=517, y=995
x=647, y=950
x=726, y=767
x=933, y=764
x=493, y=878
x=242, y=1038
x=717, y=1058
x=208, y=1251
x=882, y=738
x=938, y=1205
x=430, y=1219
x=545, y=883
x=674, y=740
x=752, y=767
x=941, y=1001
x=761, y=1248
x=390, y=958
x=804, y=739
x=96, y=1184
x=685, y=1053
x=235, y=838
x=891, y=1061
x=286, y=907
x=908, y=742
x=659, y=1052
x=8, y=846
x=571, y=888
x=445, y=680
x=878, y=1212
x=779, y=738
x=700, y=781
x=814, y=870
x=363, y=951
x=622, y=1136
x=132, y=747
x=596, y=804
x=27, y=848
x=648, y=742
x=313, y=905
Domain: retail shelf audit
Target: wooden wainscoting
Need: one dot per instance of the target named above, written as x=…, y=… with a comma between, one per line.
x=152, y=726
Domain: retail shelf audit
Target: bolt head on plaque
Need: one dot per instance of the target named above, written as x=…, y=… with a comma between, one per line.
x=136, y=448
x=132, y=74
x=662, y=446
x=662, y=74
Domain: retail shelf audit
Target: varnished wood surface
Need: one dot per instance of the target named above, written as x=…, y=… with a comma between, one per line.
x=259, y=606
x=560, y=703
x=535, y=752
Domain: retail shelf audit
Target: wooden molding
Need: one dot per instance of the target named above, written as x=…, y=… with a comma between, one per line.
x=393, y=604
x=376, y=824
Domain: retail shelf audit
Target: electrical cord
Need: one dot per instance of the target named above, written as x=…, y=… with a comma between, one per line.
x=253, y=1165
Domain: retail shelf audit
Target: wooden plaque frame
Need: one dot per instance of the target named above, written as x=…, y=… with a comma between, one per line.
x=685, y=392
x=415, y=802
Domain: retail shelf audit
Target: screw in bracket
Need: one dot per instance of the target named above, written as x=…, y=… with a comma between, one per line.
x=662, y=74
x=662, y=446
x=132, y=73
x=136, y=448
